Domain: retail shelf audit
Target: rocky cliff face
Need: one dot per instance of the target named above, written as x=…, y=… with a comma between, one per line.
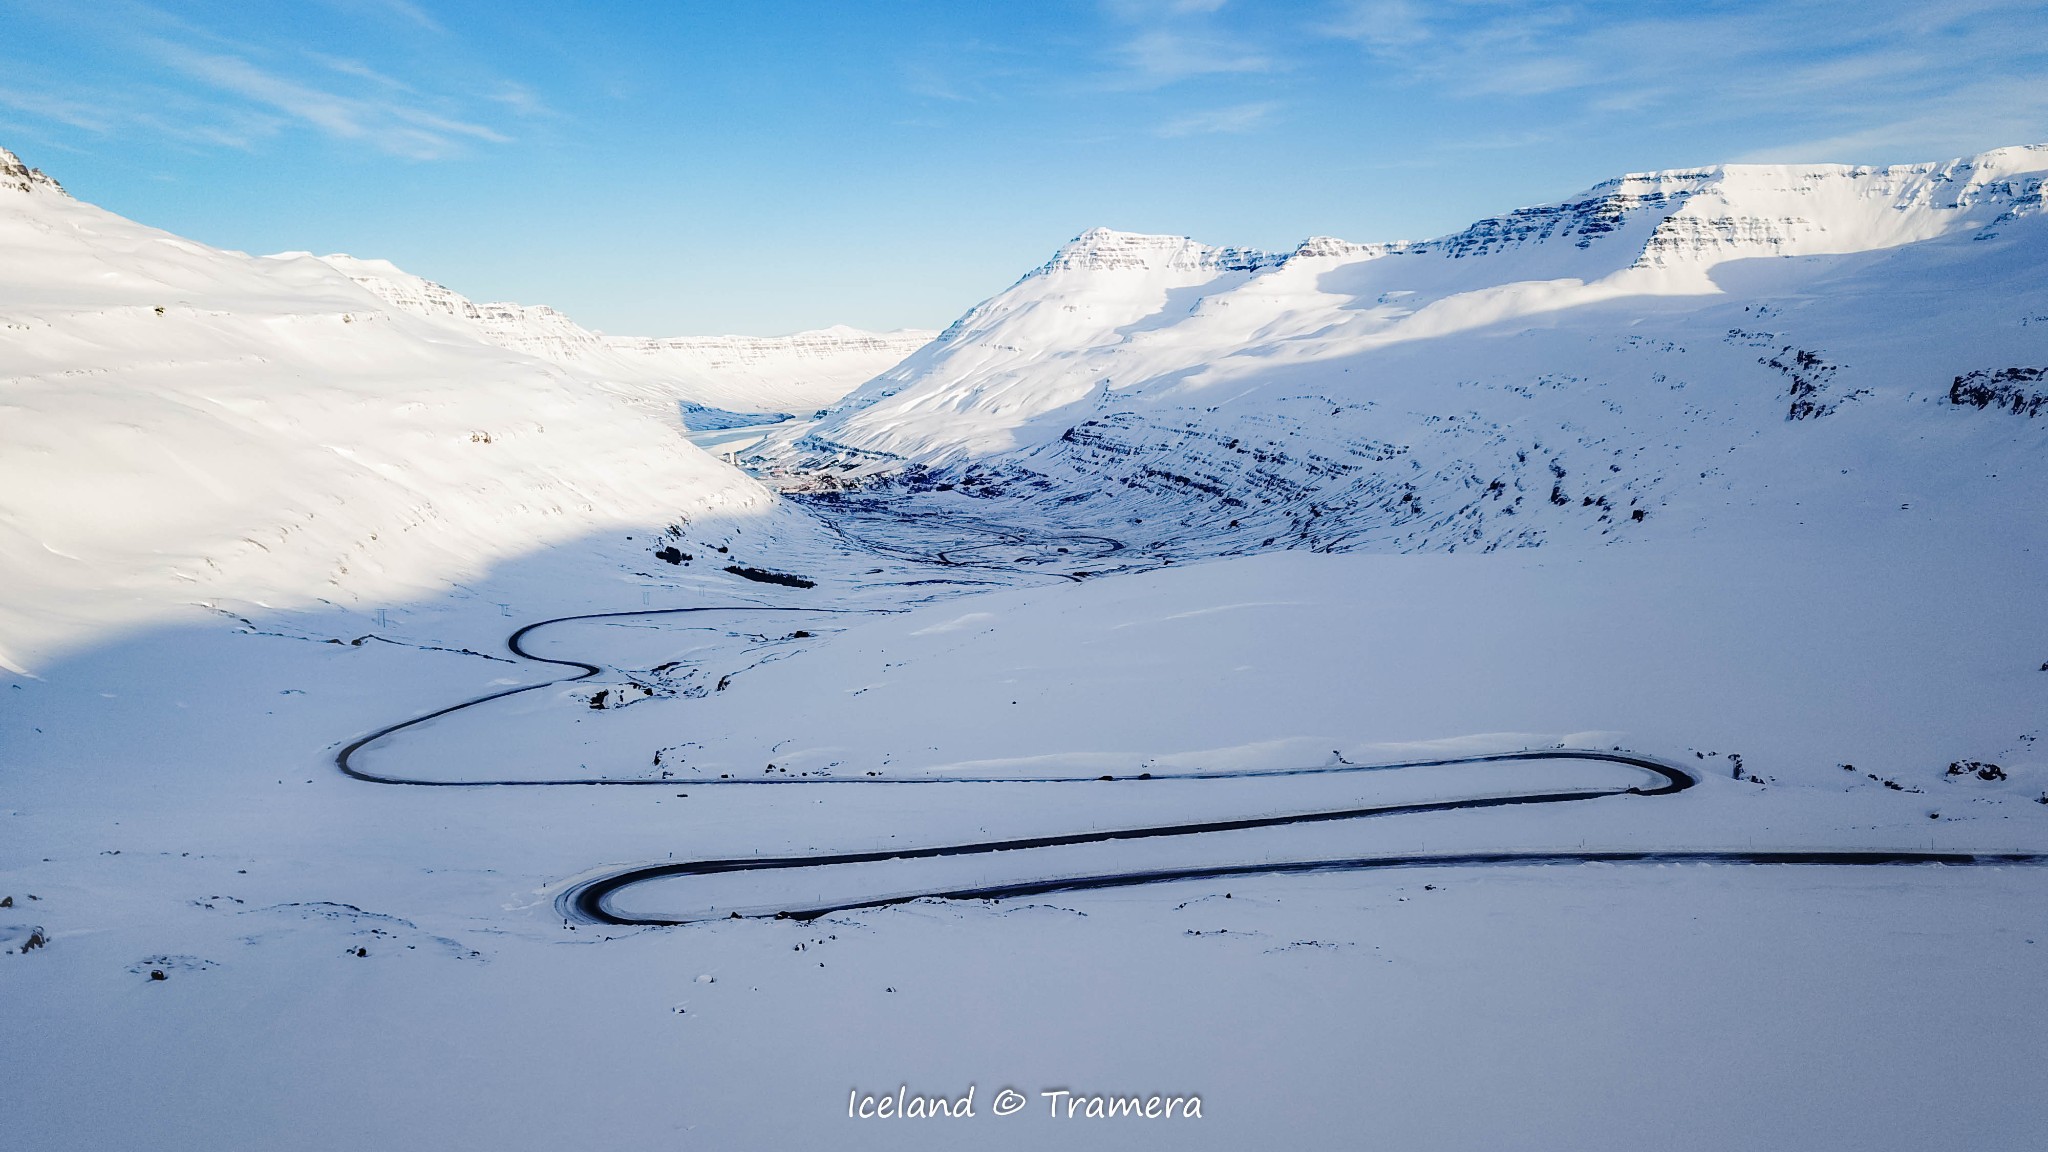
x=1701, y=212
x=1106, y=250
x=1580, y=222
x=536, y=330
x=1762, y=209
x=22, y=178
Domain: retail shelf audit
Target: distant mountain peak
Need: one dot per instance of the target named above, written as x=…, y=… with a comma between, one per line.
x=17, y=175
x=1316, y=247
x=798, y=372
x=1107, y=250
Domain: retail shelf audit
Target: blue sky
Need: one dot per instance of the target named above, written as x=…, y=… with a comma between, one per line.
x=760, y=166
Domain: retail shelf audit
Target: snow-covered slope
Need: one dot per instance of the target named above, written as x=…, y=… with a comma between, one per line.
x=179, y=423
x=795, y=374
x=1834, y=627
x=1699, y=337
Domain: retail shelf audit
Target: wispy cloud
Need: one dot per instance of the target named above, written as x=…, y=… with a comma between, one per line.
x=360, y=71
x=1973, y=115
x=403, y=11
x=163, y=114
x=1166, y=42
x=1137, y=11
x=927, y=81
x=77, y=114
x=202, y=86
x=1163, y=56
x=1240, y=118
x=1380, y=24
x=1899, y=74
x=522, y=100
x=385, y=122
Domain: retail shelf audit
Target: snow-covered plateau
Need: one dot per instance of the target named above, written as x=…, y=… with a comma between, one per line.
x=1574, y=683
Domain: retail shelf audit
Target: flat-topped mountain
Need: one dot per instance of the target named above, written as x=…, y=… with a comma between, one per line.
x=1694, y=338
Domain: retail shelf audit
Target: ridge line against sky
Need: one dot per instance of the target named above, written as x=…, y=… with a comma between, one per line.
x=692, y=168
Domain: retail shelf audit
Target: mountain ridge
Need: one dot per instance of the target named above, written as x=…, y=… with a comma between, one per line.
x=796, y=373
x=1103, y=248
x=1415, y=395
x=188, y=424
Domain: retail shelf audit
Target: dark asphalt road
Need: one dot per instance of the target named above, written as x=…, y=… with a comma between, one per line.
x=589, y=900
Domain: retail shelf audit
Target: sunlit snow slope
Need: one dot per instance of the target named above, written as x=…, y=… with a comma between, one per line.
x=1675, y=342
x=179, y=423
x=789, y=374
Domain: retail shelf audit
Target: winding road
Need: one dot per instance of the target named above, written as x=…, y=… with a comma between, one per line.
x=591, y=900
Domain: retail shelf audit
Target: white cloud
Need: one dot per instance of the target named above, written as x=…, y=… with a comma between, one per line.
x=522, y=100
x=1380, y=24
x=385, y=121
x=1171, y=41
x=1895, y=74
x=1162, y=56
x=1142, y=11
x=77, y=114
x=1240, y=118
x=404, y=11
x=1973, y=117
x=188, y=82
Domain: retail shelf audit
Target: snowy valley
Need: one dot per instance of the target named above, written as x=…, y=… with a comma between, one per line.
x=1575, y=682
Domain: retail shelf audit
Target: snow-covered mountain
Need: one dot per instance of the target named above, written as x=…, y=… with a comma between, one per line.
x=1689, y=338
x=1017, y=824
x=183, y=423
x=793, y=374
